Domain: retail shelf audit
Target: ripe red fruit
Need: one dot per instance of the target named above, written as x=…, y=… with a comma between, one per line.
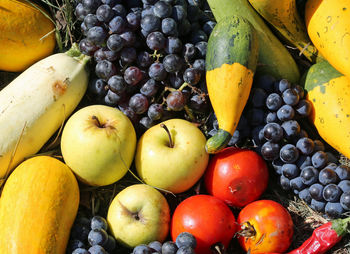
x=236, y=176
x=207, y=218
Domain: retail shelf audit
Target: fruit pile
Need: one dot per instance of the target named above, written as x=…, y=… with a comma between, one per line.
x=162, y=126
x=149, y=58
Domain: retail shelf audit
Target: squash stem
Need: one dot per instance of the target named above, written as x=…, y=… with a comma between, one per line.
x=218, y=142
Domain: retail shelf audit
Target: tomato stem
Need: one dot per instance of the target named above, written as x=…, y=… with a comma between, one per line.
x=247, y=230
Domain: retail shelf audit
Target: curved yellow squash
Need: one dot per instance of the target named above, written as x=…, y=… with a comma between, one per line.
x=26, y=35
x=38, y=206
x=328, y=26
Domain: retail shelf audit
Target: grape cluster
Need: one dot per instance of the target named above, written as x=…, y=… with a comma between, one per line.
x=149, y=55
x=275, y=113
x=185, y=243
x=89, y=236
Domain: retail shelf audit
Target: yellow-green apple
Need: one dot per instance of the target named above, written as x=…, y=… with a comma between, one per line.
x=139, y=214
x=172, y=155
x=98, y=143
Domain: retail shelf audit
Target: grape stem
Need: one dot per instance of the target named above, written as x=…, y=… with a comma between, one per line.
x=171, y=144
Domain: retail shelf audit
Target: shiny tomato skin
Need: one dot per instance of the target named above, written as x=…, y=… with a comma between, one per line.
x=208, y=218
x=272, y=223
x=237, y=176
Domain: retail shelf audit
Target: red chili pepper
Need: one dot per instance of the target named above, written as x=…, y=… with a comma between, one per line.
x=324, y=237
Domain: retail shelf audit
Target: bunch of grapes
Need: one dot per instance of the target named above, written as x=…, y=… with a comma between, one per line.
x=185, y=243
x=275, y=111
x=149, y=55
x=89, y=236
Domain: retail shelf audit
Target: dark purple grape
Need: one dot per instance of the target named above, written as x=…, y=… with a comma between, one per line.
x=277, y=166
x=332, y=166
x=186, y=239
x=327, y=176
x=169, y=247
x=270, y=151
x=291, y=128
x=285, y=182
x=331, y=192
x=133, y=75
x=290, y=171
x=129, y=38
x=117, y=25
x=305, y=195
x=176, y=80
x=84, y=28
x=149, y=88
x=150, y=23
x=90, y=20
x=199, y=102
x=333, y=209
x=285, y=113
x=142, y=249
x=305, y=145
x=302, y=134
x=290, y=97
x=303, y=161
x=90, y=5
x=119, y=10
x=129, y=113
x=162, y=10
x=208, y=27
x=133, y=20
x=343, y=172
x=147, y=10
x=332, y=158
x=196, y=3
x=156, y=246
x=80, y=251
x=100, y=55
x=105, y=69
x=258, y=97
x=98, y=222
x=319, y=146
x=75, y=244
x=273, y=132
x=299, y=90
x=271, y=117
x=138, y=103
x=104, y=13
x=199, y=64
x=97, y=237
x=157, y=72
x=318, y=205
x=128, y=55
x=96, y=35
x=193, y=13
x=111, y=2
x=319, y=159
x=189, y=52
x=87, y=47
x=111, y=244
x=273, y=101
x=144, y=59
x=115, y=42
x=344, y=185
x=309, y=175
x=146, y=122
x=172, y=63
x=282, y=85
x=111, y=98
x=176, y=101
x=178, y=13
x=258, y=135
x=97, y=249
x=169, y=27
x=173, y=45
x=192, y=76
x=155, y=111
x=345, y=200
x=117, y=84
x=265, y=82
x=185, y=250
x=155, y=41
x=316, y=191
x=296, y=184
x=198, y=36
x=303, y=108
x=80, y=12
x=202, y=49
x=256, y=116
x=289, y=153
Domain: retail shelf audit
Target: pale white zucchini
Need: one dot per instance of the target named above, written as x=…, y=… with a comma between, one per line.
x=35, y=104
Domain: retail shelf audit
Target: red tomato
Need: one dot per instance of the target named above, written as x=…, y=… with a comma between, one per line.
x=208, y=218
x=271, y=227
x=237, y=176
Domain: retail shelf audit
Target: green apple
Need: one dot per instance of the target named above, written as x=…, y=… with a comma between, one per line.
x=98, y=143
x=139, y=214
x=172, y=155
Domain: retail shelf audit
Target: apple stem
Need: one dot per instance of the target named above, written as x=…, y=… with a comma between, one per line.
x=171, y=144
x=98, y=121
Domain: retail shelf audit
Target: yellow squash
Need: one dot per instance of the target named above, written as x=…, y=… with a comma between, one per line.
x=38, y=206
x=329, y=92
x=26, y=35
x=284, y=17
x=328, y=25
